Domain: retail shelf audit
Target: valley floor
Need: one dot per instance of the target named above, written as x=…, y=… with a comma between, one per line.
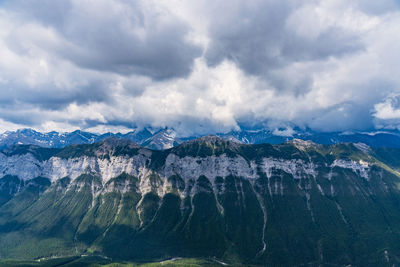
x=97, y=261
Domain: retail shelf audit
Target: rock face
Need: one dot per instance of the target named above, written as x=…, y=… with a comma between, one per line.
x=290, y=204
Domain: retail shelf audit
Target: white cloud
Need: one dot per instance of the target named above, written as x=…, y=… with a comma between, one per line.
x=288, y=132
x=389, y=109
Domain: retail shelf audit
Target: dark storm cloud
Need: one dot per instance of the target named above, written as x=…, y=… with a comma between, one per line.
x=48, y=97
x=333, y=42
x=23, y=116
x=378, y=7
x=258, y=38
x=249, y=34
x=125, y=37
x=343, y=117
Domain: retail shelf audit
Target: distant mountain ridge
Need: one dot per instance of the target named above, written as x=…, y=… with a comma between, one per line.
x=60, y=140
x=168, y=138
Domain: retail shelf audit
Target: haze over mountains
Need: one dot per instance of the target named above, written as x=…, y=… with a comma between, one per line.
x=166, y=138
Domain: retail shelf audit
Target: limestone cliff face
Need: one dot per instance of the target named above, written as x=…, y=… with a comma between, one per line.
x=105, y=166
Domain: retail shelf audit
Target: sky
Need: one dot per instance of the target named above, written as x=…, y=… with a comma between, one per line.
x=199, y=66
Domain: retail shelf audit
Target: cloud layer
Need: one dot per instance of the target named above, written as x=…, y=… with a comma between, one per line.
x=199, y=67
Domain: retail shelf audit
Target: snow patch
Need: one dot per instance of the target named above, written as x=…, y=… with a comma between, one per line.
x=363, y=147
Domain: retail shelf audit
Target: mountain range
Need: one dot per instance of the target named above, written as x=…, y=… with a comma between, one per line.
x=291, y=204
x=167, y=138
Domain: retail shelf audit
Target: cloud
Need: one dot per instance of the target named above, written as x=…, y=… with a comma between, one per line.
x=199, y=67
x=118, y=36
x=263, y=37
x=387, y=112
x=389, y=109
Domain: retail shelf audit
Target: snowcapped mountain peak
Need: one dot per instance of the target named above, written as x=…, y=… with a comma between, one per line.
x=163, y=139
